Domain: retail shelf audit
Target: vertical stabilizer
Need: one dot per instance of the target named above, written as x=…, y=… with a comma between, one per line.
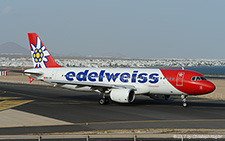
x=40, y=55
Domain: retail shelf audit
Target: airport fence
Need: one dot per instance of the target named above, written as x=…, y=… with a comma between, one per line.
x=118, y=137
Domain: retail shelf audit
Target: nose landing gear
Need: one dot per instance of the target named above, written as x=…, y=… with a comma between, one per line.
x=184, y=100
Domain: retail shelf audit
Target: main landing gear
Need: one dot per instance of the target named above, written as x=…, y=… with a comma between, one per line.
x=104, y=100
x=184, y=100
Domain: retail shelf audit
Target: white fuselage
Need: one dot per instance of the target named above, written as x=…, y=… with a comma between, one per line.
x=145, y=81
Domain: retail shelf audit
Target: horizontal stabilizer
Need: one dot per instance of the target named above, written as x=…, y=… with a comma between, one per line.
x=33, y=72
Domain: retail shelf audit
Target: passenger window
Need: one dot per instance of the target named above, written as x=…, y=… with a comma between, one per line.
x=193, y=78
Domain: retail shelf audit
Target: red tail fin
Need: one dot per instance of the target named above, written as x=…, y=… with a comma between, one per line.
x=39, y=53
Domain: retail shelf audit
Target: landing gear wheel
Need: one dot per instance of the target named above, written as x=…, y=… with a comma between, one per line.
x=104, y=101
x=185, y=105
x=184, y=100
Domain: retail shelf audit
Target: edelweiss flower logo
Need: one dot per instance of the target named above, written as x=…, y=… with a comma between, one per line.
x=39, y=54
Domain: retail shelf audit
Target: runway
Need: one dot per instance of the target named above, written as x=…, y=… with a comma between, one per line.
x=44, y=109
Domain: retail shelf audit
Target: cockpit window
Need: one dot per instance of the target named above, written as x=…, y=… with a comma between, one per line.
x=203, y=78
x=198, y=78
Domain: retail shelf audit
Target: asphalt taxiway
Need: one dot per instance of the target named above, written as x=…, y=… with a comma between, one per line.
x=26, y=109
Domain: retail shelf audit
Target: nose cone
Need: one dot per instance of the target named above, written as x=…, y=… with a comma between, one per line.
x=209, y=87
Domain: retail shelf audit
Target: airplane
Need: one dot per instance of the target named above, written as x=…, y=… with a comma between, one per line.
x=120, y=85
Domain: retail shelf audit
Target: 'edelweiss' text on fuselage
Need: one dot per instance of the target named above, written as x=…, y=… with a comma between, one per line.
x=123, y=77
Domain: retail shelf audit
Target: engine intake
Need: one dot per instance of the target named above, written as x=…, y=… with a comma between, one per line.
x=122, y=95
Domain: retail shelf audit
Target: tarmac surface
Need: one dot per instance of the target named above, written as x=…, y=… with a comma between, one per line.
x=33, y=109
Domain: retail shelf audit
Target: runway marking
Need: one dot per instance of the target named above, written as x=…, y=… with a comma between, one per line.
x=192, y=107
x=150, y=121
x=60, y=101
x=51, y=99
x=201, y=100
x=7, y=104
x=3, y=92
x=57, y=103
x=7, y=98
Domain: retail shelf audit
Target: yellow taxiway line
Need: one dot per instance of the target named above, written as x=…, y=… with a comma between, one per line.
x=9, y=98
x=7, y=104
x=151, y=121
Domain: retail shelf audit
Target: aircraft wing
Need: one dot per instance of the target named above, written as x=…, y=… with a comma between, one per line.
x=98, y=85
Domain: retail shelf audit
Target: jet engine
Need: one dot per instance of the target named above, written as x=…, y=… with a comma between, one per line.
x=122, y=95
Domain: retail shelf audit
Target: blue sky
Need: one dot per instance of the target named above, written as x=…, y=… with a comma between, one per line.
x=137, y=29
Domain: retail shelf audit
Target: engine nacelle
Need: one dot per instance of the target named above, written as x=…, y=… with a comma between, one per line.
x=159, y=97
x=122, y=95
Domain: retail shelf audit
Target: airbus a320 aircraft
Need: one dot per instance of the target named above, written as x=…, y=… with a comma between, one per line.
x=118, y=84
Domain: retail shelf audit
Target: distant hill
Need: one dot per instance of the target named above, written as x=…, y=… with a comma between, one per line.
x=11, y=48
